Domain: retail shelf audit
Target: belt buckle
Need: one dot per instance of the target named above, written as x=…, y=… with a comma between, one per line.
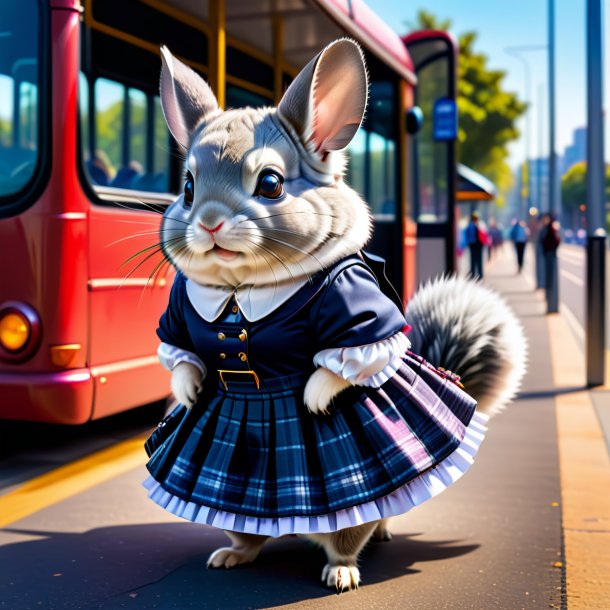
x=249, y=372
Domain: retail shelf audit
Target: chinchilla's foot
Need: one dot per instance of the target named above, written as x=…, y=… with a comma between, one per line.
x=228, y=557
x=382, y=533
x=245, y=549
x=342, y=578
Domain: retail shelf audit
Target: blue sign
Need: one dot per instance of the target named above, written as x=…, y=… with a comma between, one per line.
x=445, y=120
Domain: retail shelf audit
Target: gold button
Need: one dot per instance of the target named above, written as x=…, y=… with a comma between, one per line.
x=235, y=309
x=222, y=336
x=242, y=335
x=222, y=355
x=242, y=356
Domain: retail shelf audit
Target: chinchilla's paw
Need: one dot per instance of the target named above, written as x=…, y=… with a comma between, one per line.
x=228, y=557
x=321, y=388
x=186, y=383
x=342, y=578
x=381, y=533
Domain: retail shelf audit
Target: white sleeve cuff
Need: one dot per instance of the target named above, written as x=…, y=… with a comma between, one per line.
x=171, y=356
x=369, y=365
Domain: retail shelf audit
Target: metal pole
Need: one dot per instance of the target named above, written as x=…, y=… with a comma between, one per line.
x=552, y=283
x=525, y=180
x=596, y=221
x=540, y=279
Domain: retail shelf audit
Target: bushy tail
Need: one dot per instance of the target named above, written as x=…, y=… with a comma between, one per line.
x=467, y=328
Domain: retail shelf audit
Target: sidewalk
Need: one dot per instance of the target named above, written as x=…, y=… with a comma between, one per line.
x=582, y=416
x=527, y=527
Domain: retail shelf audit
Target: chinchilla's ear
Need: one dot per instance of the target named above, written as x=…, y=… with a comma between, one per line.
x=325, y=103
x=186, y=99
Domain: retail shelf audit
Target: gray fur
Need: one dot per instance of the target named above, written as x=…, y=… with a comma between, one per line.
x=457, y=323
x=467, y=328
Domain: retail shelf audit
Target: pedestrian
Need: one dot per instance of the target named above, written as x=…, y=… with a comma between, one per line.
x=495, y=237
x=519, y=234
x=475, y=238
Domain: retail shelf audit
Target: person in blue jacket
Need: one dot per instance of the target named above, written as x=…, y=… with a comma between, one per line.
x=519, y=234
x=475, y=240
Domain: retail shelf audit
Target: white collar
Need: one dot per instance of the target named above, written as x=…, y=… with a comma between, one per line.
x=254, y=302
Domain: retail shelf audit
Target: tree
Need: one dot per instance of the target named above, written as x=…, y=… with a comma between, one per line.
x=574, y=192
x=487, y=113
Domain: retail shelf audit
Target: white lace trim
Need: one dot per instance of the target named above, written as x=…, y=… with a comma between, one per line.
x=410, y=495
x=170, y=356
x=368, y=365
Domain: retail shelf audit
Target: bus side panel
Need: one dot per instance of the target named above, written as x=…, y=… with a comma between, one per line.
x=410, y=259
x=45, y=265
x=125, y=304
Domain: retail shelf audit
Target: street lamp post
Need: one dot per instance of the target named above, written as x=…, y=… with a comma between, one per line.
x=551, y=271
x=596, y=221
x=516, y=53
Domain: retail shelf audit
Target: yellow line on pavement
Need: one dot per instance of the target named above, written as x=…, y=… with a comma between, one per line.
x=71, y=479
x=585, y=477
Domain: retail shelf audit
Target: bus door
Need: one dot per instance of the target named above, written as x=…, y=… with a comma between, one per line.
x=432, y=154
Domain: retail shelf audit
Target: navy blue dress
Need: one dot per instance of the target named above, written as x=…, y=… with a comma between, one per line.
x=250, y=457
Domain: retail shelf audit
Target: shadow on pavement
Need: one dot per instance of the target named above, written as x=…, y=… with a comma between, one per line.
x=542, y=394
x=163, y=566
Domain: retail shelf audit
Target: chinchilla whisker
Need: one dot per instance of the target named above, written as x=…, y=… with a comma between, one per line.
x=308, y=212
x=291, y=259
x=263, y=229
x=258, y=247
x=157, y=246
x=271, y=269
x=293, y=247
x=144, y=203
x=146, y=234
x=132, y=271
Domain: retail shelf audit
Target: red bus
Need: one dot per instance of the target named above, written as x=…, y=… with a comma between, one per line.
x=87, y=166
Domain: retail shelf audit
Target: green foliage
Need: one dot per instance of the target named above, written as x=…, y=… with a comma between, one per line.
x=487, y=113
x=574, y=185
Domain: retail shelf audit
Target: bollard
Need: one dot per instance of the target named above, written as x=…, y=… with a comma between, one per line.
x=596, y=309
x=551, y=281
x=540, y=264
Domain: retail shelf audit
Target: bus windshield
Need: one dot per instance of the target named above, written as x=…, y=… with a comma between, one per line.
x=19, y=94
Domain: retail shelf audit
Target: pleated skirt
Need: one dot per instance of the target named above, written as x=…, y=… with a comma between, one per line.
x=257, y=461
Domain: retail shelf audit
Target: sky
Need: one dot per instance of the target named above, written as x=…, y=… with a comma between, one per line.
x=501, y=25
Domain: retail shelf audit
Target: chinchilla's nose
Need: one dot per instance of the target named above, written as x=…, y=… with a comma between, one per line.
x=211, y=230
x=213, y=215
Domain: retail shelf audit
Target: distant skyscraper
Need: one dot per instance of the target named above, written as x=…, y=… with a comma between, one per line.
x=577, y=151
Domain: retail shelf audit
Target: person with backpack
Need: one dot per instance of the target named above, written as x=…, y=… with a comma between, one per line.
x=475, y=238
x=519, y=234
x=549, y=240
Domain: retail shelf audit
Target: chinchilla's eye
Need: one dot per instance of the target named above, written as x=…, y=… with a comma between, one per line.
x=189, y=191
x=270, y=185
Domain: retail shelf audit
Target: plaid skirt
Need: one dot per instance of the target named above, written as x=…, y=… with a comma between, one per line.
x=256, y=461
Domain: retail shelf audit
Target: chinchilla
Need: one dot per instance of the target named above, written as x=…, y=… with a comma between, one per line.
x=265, y=204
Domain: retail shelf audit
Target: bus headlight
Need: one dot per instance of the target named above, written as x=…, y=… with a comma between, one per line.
x=19, y=331
x=14, y=331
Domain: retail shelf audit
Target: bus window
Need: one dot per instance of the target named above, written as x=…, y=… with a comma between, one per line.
x=137, y=127
x=19, y=107
x=132, y=147
x=161, y=149
x=238, y=97
x=380, y=124
x=372, y=154
x=109, y=107
x=432, y=201
x=356, y=160
x=83, y=104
